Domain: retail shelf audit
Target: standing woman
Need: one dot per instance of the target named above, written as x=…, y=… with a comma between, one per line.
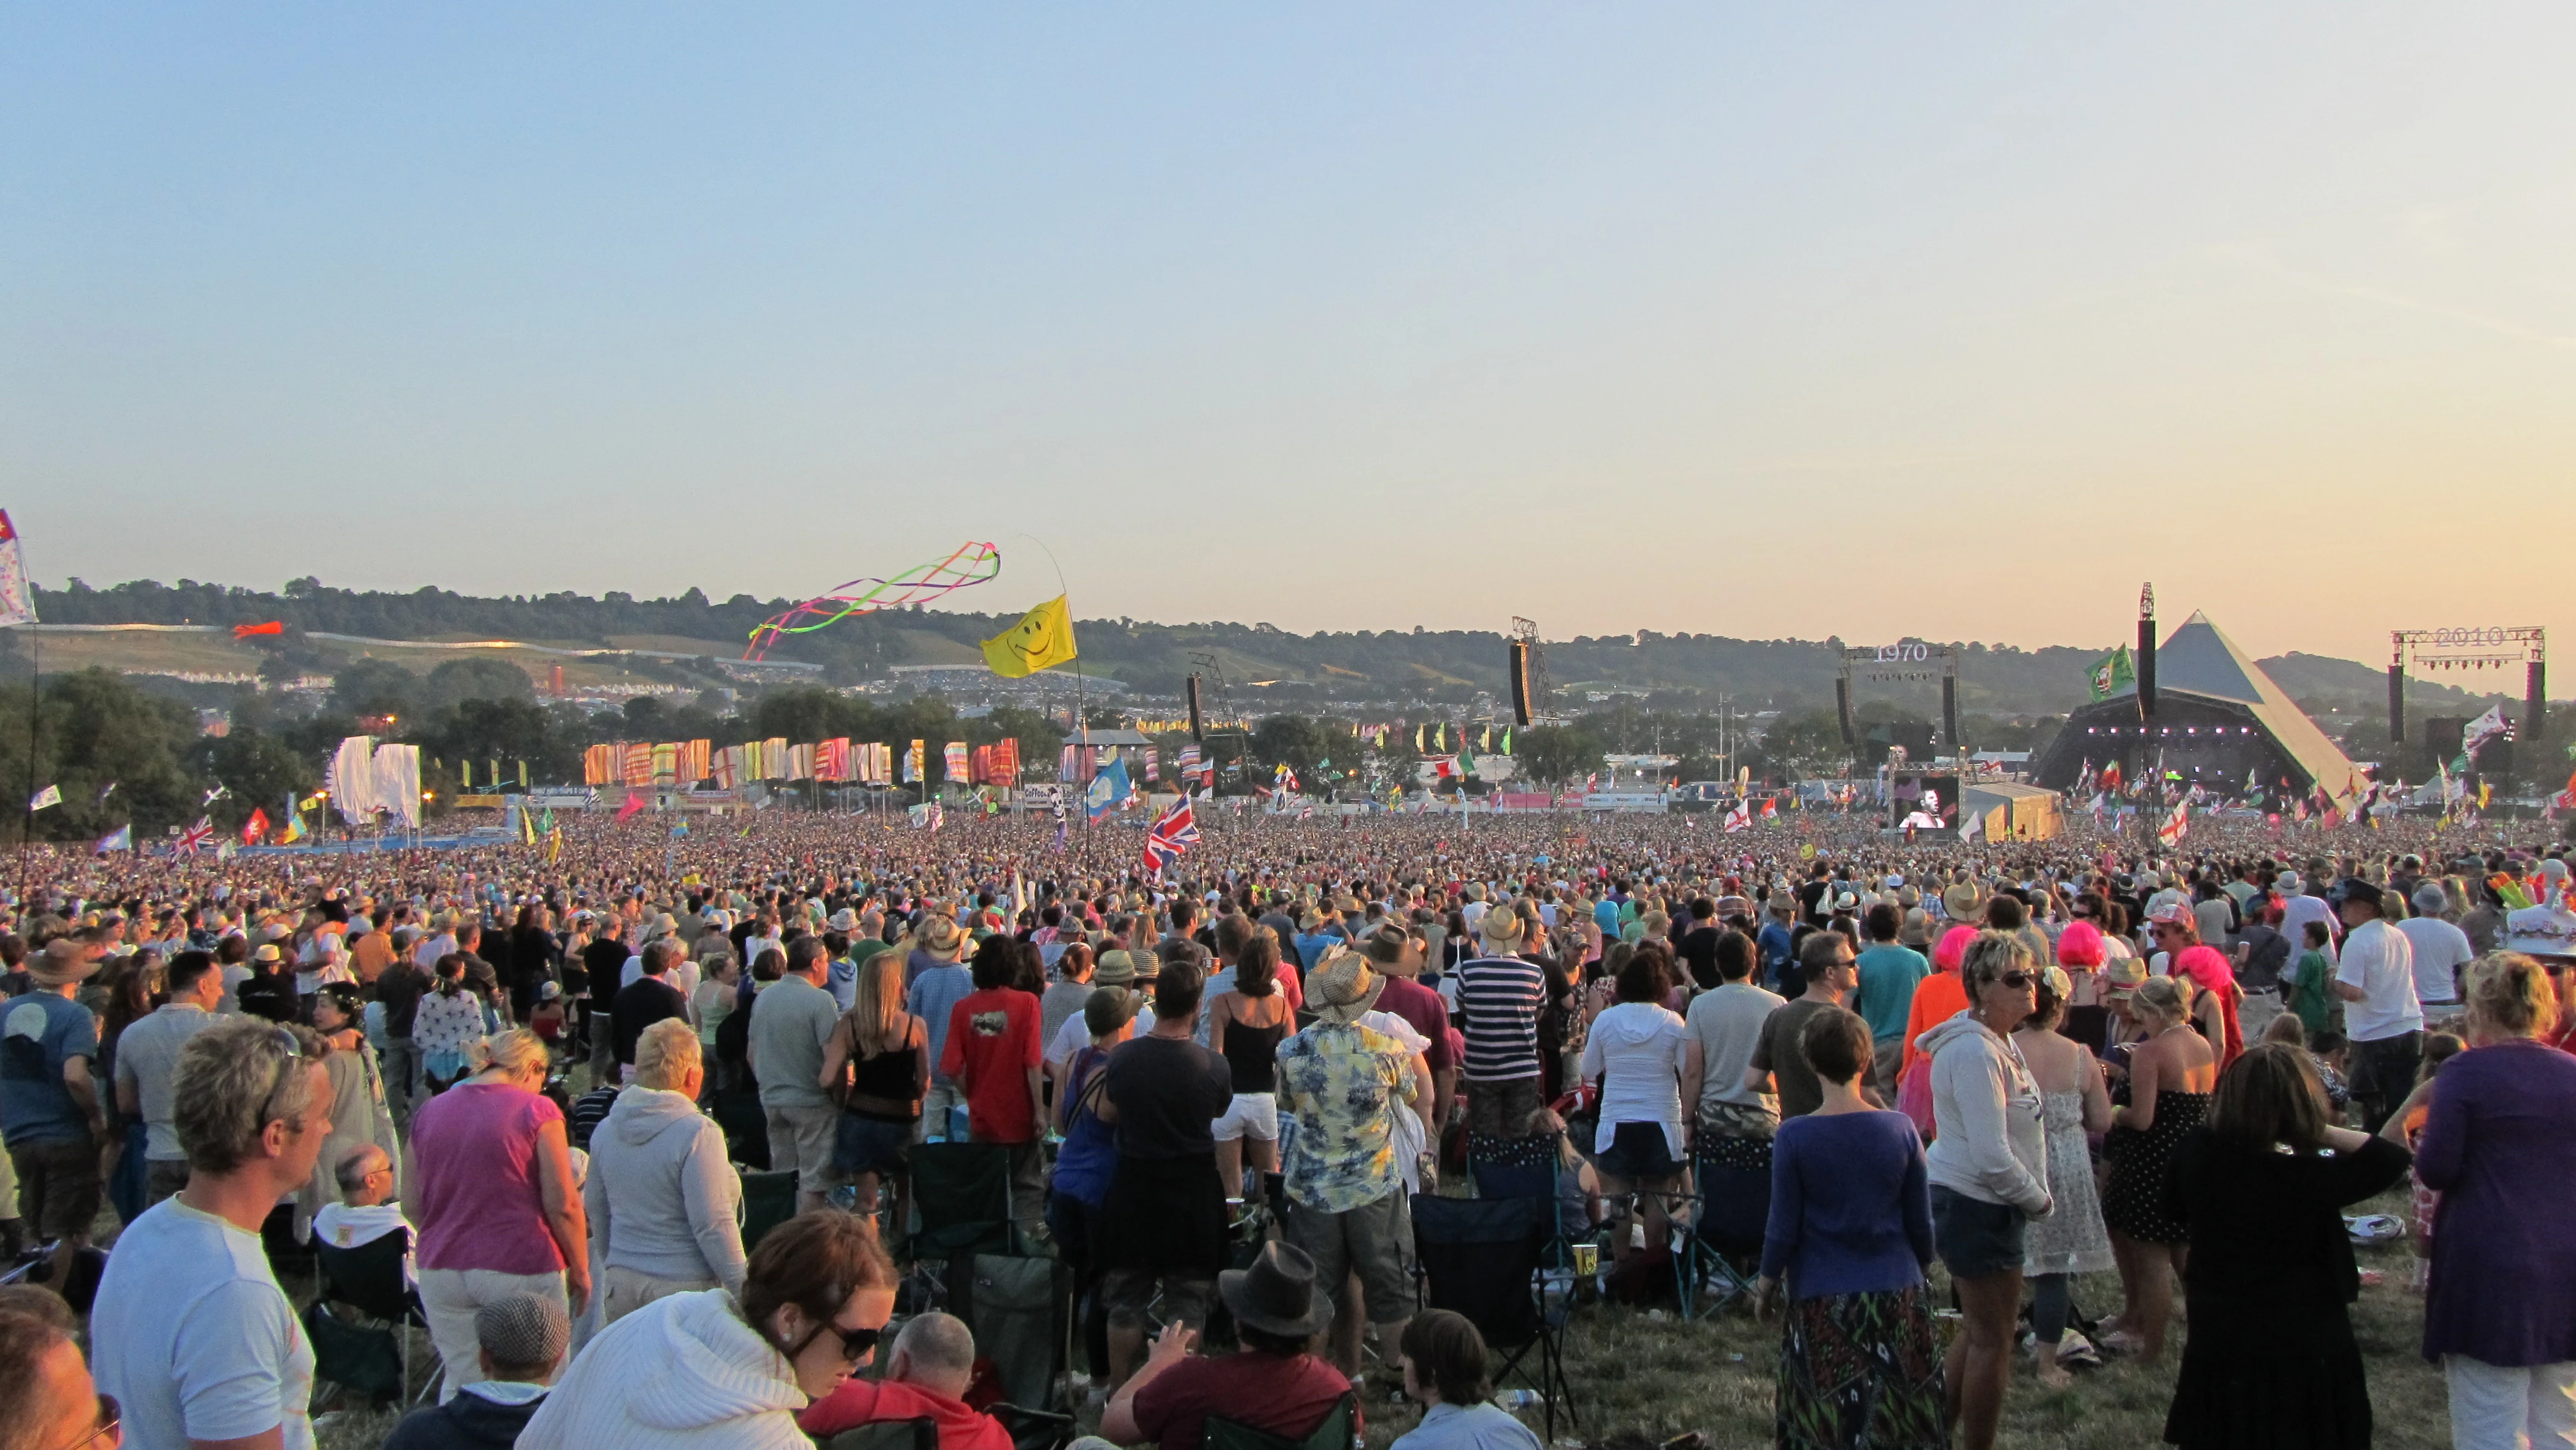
x=2171, y=1075
x=1648, y=1065
x=2271, y=1361
x=2073, y=1103
x=494, y=1196
x=1989, y=1171
x=359, y=1114
x=877, y=1066
x=2500, y=1315
x=447, y=1025
x=1245, y=1027
x=1851, y=1236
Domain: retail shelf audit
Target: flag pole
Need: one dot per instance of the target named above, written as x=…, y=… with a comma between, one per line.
x=35, y=703
x=1081, y=712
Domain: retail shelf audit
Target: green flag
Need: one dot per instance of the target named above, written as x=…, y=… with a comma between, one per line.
x=2111, y=672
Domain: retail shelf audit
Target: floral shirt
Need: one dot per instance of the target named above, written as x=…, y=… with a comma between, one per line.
x=1344, y=1083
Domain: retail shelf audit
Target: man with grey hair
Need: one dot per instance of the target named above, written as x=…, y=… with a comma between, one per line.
x=926, y=1375
x=522, y=1339
x=2441, y=950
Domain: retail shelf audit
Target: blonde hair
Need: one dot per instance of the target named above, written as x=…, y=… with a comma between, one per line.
x=1990, y=954
x=2512, y=993
x=876, y=1017
x=664, y=1054
x=223, y=1086
x=513, y=1052
x=2168, y=999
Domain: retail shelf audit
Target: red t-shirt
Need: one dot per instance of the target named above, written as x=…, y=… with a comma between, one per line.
x=1286, y=1395
x=1426, y=1012
x=992, y=1045
x=866, y=1402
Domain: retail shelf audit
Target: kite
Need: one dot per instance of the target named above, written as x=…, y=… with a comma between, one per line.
x=972, y=564
x=245, y=631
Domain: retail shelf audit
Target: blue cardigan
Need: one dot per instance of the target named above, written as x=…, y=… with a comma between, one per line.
x=1851, y=1207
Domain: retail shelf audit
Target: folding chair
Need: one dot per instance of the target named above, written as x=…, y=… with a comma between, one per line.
x=369, y=1279
x=768, y=1200
x=1732, y=1212
x=1528, y=1172
x=1034, y=1429
x=1481, y=1257
x=918, y=1433
x=1339, y=1431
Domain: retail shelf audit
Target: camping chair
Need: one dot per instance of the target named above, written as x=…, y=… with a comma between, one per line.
x=768, y=1200
x=368, y=1279
x=919, y=1433
x=1481, y=1257
x=1034, y=1429
x=1732, y=1212
x=972, y=1260
x=1337, y=1432
x=1528, y=1172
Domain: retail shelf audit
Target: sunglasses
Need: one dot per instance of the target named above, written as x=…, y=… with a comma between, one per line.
x=855, y=1343
x=284, y=1041
x=2015, y=980
x=110, y=1426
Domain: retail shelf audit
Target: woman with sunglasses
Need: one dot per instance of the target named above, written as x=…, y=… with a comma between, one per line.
x=1989, y=1171
x=714, y=1369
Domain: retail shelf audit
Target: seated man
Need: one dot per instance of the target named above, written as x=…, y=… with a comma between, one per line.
x=1271, y=1384
x=926, y=1375
x=523, y=1338
x=43, y=1379
x=363, y=1214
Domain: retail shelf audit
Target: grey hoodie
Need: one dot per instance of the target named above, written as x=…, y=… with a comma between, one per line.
x=662, y=1197
x=1992, y=1139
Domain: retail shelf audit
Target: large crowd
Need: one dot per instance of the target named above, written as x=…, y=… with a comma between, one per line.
x=543, y=1078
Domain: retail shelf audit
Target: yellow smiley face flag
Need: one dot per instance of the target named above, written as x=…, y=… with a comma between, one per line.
x=1042, y=638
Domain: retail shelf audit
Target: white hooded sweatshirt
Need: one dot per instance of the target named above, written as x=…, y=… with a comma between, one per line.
x=683, y=1371
x=1991, y=1141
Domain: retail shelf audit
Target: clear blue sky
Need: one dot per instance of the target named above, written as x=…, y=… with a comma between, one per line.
x=1758, y=320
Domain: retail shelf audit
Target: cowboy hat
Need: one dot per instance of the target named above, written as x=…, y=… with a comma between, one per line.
x=1277, y=1294
x=1500, y=927
x=940, y=939
x=63, y=963
x=1342, y=988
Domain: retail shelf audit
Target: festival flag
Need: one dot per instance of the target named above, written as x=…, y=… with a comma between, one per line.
x=800, y=762
x=599, y=765
x=2178, y=824
x=1176, y=832
x=638, y=765
x=1153, y=764
x=952, y=761
x=294, y=831
x=634, y=804
x=554, y=845
x=1283, y=777
x=273, y=626
x=1770, y=808
x=1109, y=790
x=1042, y=639
x=2112, y=671
x=916, y=766
x=1419, y=745
x=693, y=763
x=49, y=796
x=255, y=827
x=832, y=759
x=17, y=605
x=773, y=758
x=1739, y=819
x=926, y=816
x=195, y=838
x=729, y=768
x=120, y=839
x=1006, y=760
x=1507, y=740
x=666, y=763
x=527, y=827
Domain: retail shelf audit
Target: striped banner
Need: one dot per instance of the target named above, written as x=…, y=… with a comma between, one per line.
x=599, y=765
x=773, y=758
x=639, y=764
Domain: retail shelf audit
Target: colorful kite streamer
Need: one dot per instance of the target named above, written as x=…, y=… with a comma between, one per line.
x=972, y=564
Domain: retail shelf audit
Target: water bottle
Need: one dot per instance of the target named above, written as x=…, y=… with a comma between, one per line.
x=1519, y=1399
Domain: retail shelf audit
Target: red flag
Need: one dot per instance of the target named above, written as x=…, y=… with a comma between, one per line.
x=634, y=803
x=255, y=827
x=245, y=631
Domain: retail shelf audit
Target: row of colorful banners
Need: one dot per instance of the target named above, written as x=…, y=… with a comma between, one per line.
x=866, y=762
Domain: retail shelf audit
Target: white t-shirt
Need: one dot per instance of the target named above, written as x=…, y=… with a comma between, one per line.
x=2377, y=959
x=2296, y=913
x=2440, y=949
x=194, y=1338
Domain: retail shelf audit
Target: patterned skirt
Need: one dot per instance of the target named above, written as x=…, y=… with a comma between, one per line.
x=1861, y=1370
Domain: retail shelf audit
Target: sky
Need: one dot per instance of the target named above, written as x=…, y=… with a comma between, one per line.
x=1872, y=321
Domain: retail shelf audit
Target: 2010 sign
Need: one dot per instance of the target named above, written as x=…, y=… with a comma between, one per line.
x=2471, y=638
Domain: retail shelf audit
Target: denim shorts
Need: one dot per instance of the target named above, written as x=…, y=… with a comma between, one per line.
x=865, y=1145
x=1976, y=1239
x=1638, y=1153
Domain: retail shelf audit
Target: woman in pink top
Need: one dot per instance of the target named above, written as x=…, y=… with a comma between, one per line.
x=493, y=1192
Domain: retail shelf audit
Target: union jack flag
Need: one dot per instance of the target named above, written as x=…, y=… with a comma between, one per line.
x=1176, y=832
x=195, y=838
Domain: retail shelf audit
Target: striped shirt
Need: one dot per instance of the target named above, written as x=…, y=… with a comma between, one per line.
x=1500, y=998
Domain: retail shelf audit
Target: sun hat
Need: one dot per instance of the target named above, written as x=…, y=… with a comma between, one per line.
x=2546, y=930
x=268, y=952
x=940, y=939
x=1500, y=927
x=1342, y=988
x=1277, y=1294
x=1115, y=968
x=844, y=920
x=63, y=963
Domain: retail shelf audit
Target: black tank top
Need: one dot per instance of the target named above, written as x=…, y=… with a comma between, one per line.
x=887, y=1077
x=1251, y=1055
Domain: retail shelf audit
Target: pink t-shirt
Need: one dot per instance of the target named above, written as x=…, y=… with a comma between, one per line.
x=476, y=1194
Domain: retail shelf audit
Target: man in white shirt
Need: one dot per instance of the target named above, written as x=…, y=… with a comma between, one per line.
x=2441, y=949
x=147, y=1059
x=2376, y=980
x=2298, y=908
x=194, y=1336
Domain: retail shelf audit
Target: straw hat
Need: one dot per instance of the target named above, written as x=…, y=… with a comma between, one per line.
x=1342, y=988
x=940, y=939
x=1500, y=927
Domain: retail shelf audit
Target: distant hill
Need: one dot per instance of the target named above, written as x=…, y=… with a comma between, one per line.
x=1263, y=667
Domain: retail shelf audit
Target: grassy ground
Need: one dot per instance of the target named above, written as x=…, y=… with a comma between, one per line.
x=1647, y=1375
